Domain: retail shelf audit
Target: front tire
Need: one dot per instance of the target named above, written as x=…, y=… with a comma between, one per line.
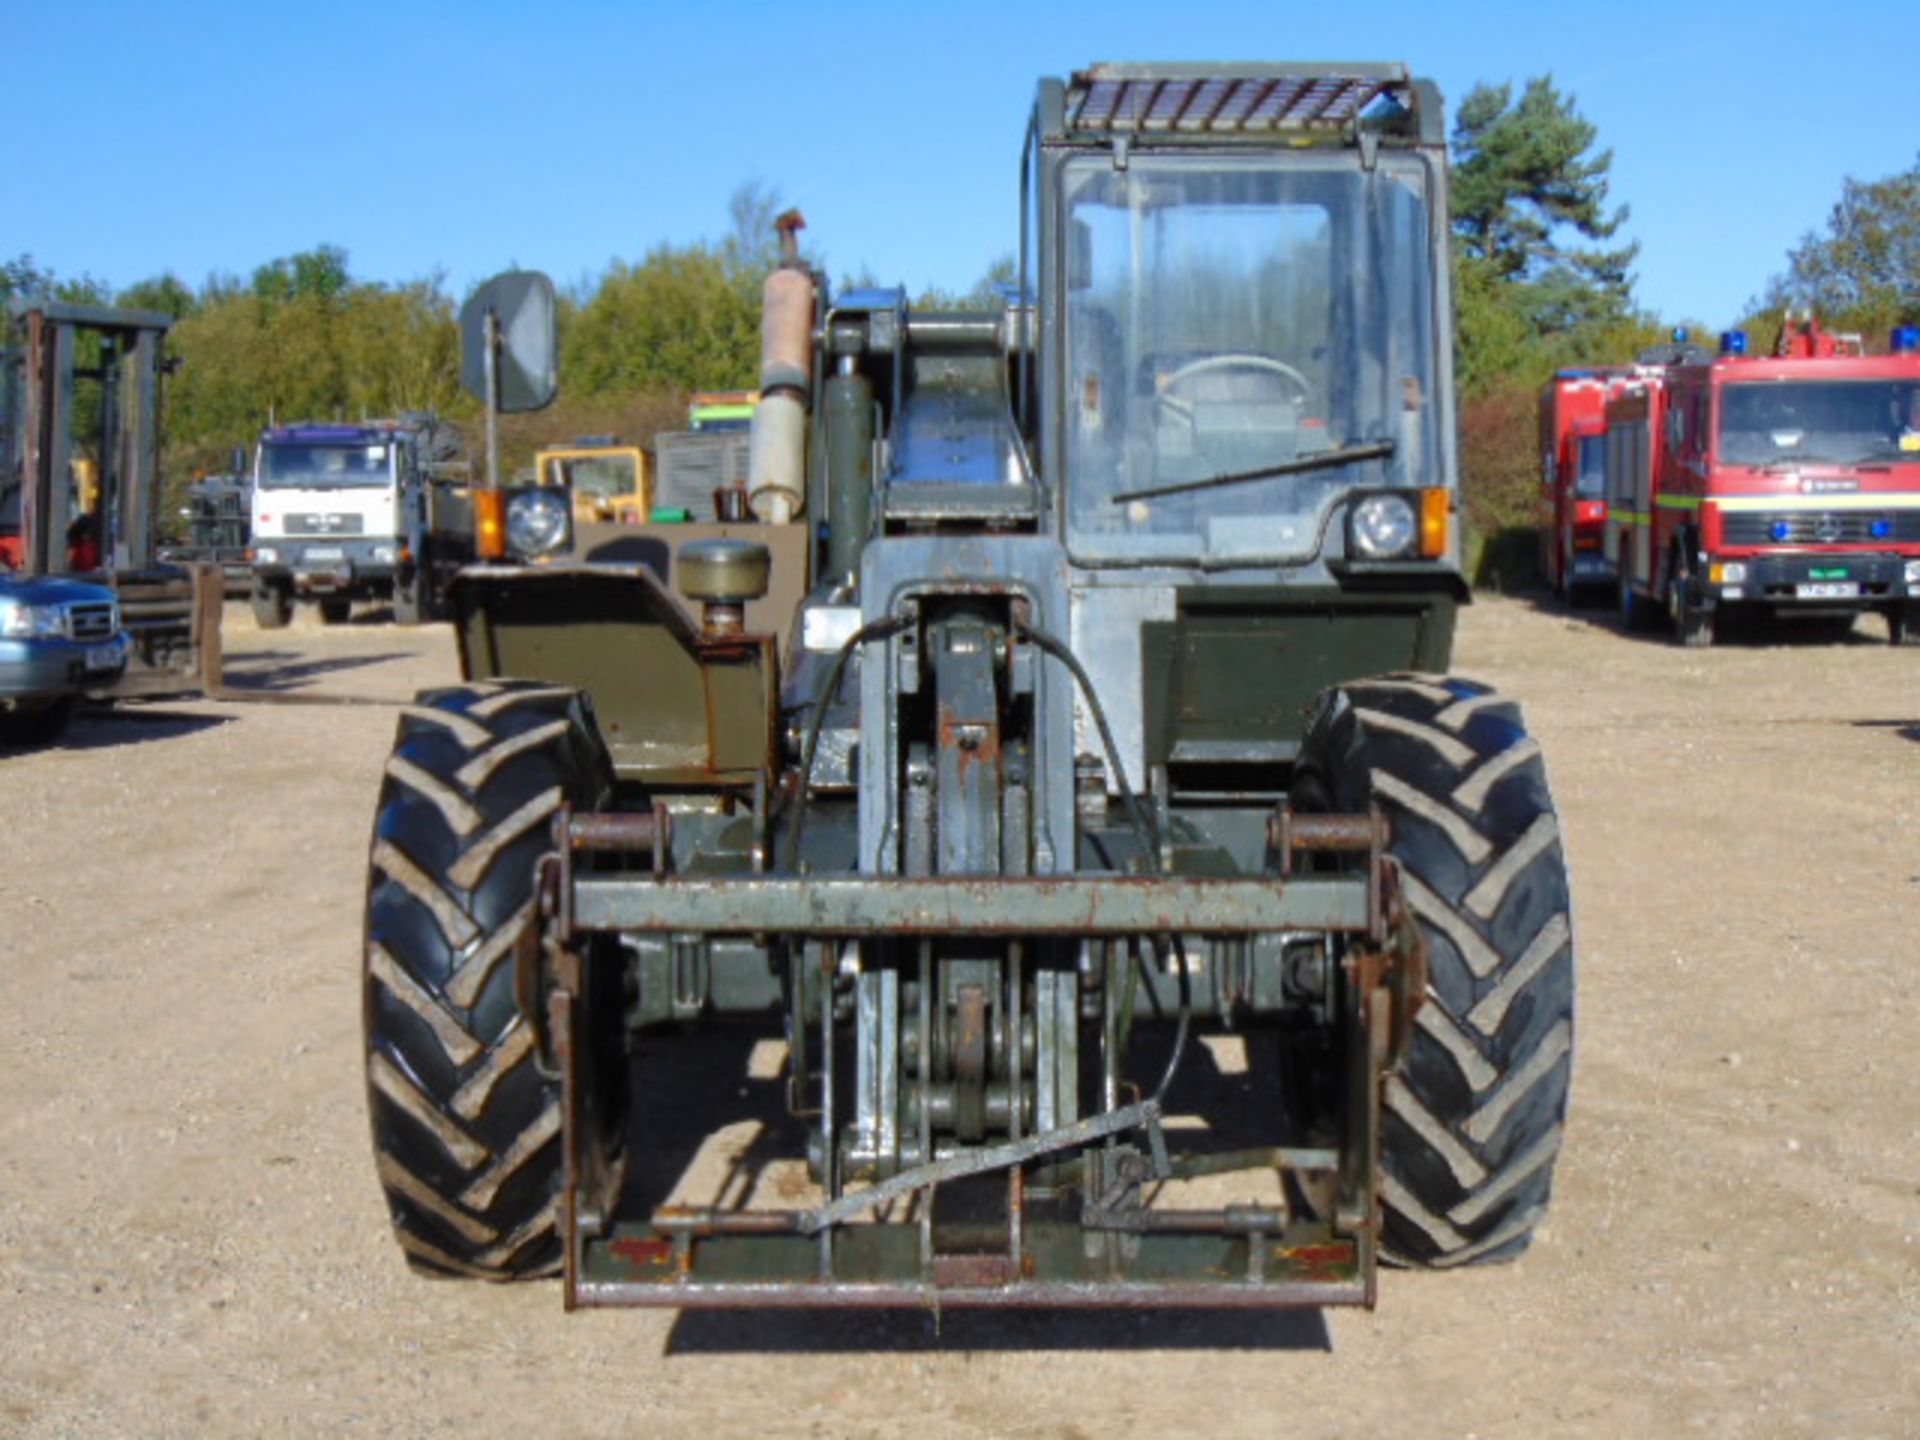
x=1634, y=611
x=409, y=607
x=1472, y=1118
x=272, y=605
x=466, y=1128
x=1693, y=625
x=1903, y=624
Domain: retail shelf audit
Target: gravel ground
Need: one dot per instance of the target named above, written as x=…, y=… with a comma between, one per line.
x=192, y=1241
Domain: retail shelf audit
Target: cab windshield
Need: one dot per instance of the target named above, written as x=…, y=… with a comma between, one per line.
x=1811, y=422
x=1227, y=319
x=324, y=467
x=1590, y=479
x=603, y=476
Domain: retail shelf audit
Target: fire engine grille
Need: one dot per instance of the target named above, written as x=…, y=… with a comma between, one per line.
x=1805, y=527
x=91, y=622
x=1224, y=104
x=689, y=466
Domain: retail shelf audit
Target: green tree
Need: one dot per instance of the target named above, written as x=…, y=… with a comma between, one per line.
x=1525, y=173
x=1863, y=271
x=686, y=318
x=320, y=273
x=166, y=293
x=1528, y=189
x=20, y=276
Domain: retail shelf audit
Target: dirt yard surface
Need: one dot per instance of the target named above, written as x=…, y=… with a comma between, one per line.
x=192, y=1241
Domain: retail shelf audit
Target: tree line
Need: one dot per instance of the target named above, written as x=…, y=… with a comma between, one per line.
x=1540, y=282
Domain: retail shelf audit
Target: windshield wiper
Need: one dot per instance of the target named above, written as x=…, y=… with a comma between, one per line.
x=1325, y=460
x=1789, y=462
x=1887, y=455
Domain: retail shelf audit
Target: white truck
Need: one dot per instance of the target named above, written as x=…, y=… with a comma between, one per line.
x=357, y=512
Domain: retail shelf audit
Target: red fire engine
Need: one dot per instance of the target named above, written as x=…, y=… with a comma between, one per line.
x=1770, y=483
x=1573, y=506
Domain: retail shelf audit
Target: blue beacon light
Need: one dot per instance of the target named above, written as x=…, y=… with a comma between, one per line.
x=1733, y=342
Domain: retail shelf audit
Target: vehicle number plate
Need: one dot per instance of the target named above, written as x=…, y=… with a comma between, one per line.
x=103, y=657
x=325, y=552
x=1828, y=590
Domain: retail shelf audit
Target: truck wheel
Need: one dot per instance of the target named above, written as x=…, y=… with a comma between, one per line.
x=407, y=598
x=335, y=611
x=272, y=605
x=1693, y=625
x=1472, y=1118
x=1903, y=624
x=465, y=1126
x=1633, y=608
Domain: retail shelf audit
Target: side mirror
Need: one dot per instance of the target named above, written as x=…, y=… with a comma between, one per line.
x=520, y=305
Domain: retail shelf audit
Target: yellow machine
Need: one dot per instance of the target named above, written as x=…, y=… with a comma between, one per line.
x=608, y=481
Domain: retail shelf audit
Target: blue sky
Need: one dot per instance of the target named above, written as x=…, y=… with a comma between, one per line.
x=199, y=137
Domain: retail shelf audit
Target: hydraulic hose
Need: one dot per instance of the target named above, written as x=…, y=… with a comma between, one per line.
x=1145, y=832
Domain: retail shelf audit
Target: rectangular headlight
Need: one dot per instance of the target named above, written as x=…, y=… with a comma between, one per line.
x=27, y=622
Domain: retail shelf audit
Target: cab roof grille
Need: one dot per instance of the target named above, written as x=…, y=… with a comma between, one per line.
x=1108, y=100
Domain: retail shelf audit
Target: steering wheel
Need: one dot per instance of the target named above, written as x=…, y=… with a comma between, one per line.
x=1209, y=364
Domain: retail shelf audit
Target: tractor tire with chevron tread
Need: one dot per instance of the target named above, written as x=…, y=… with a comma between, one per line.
x=1471, y=1119
x=466, y=1128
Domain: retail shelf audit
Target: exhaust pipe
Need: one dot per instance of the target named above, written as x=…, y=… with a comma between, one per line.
x=777, y=442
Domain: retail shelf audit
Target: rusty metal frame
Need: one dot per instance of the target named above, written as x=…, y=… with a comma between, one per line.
x=1235, y=1257
x=871, y=905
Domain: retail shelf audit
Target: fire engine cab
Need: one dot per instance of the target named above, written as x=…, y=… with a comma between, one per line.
x=1573, y=476
x=1778, y=483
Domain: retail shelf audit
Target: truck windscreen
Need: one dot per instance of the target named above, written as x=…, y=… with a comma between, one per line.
x=1811, y=422
x=1590, y=480
x=324, y=467
x=1232, y=317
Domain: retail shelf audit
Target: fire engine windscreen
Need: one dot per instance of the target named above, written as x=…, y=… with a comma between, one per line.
x=324, y=467
x=1811, y=422
x=1236, y=314
x=1590, y=479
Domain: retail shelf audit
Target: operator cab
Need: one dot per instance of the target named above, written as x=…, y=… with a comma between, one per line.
x=1249, y=338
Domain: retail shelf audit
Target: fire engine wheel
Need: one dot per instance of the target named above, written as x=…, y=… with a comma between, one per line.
x=335, y=611
x=1472, y=1118
x=1693, y=625
x=466, y=1127
x=1634, y=609
x=272, y=606
x=1903, y=624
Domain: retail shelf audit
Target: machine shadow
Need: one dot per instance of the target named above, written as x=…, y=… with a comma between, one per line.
x=1902, y=729
x=273, y=670
x=729, y=1081
x=112, y=727
x=969, y=1332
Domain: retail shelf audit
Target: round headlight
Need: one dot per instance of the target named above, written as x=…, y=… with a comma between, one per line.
x=536, y=521
x=1383, y=527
